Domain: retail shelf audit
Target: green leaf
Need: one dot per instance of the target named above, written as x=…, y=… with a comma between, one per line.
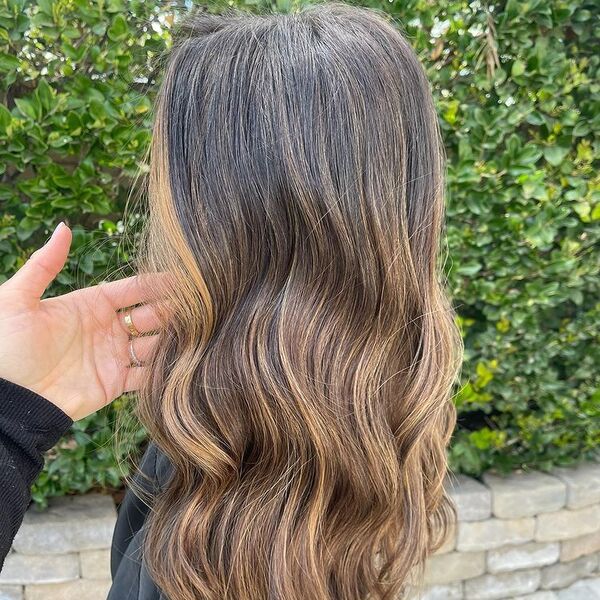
x=60, y=140
x=530, y=154
x=27, y=108
x=517, y=69
x=45, y=6
x=45, y=94
x=555, y=154
x=512, y=8
x=581, y=129
x=8, y=62
x=469, y=269
x=5, y=117
x=26, y=227
x=118, y=29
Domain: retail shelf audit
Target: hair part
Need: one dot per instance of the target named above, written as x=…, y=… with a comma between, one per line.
x=302, y=386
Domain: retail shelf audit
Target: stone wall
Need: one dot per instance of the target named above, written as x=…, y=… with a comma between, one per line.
x=532, y=535
x=62, y=553
x=528, y=535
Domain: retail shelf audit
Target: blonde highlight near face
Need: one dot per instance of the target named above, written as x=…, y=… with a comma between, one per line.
x=302, y=386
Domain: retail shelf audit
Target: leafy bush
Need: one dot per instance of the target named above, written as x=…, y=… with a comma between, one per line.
x=517, y=89
x=76, y=82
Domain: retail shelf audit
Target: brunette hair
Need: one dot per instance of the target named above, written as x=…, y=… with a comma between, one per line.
x=302, y=388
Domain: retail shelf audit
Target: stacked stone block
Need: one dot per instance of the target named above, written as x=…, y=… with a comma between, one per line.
x=63, y=552
x=527, y=535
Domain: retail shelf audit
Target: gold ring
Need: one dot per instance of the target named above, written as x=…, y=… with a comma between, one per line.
x=134, y=359
x=129, y=322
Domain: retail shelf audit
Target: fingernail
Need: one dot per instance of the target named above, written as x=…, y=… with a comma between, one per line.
x=61, y=224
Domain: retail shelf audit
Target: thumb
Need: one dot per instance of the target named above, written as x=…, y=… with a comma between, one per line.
x=43, y=265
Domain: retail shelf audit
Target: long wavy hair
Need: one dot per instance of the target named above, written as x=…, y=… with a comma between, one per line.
x=302, y=389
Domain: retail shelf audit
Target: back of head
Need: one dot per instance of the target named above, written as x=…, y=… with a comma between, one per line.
x=302, y=387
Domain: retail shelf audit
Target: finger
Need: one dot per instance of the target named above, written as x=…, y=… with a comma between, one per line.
x=145, y=318
x=43, y=265
x=133, y=290
x=134, y=378
x=142, y=347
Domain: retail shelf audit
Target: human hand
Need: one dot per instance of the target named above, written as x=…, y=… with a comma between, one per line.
x=73, y=349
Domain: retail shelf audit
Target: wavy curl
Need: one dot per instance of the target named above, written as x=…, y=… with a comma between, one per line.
x=302, y=387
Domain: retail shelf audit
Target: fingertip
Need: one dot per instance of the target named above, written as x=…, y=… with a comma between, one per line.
x=58, y=231
x=63, y=232
x=62, y=226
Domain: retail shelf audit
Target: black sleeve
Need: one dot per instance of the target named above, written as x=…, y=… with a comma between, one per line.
x=29, y=425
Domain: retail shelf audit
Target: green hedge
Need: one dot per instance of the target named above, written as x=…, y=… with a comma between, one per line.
x=518, y=96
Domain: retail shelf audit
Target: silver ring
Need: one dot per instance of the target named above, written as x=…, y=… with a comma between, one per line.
x=134, y=359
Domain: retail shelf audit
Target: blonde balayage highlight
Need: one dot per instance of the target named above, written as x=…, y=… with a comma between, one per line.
x=302, y=386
